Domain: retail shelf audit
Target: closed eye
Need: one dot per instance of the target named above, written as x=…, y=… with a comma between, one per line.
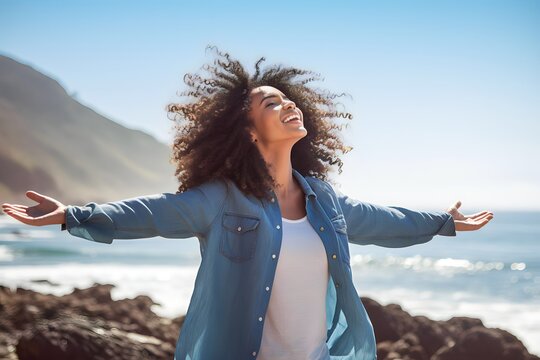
x=284, y=97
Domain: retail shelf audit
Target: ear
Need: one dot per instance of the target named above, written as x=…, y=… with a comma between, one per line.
x=252, y=134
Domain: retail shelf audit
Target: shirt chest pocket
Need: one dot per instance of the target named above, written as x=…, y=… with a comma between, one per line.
x=239, y=239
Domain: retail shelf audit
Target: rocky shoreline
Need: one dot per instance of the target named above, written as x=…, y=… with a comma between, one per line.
x=89, y=324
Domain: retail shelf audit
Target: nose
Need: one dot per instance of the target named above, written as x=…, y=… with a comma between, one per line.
x=289, y=103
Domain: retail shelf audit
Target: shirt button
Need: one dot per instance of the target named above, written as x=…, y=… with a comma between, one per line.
x=273, y=256
x=277, y=226
x=272, y=200
x=267, y=288
x=334, y=256
x=321, y=228
x=254, y=353
x=260, y=318
x=337, y=285
x=239, y=228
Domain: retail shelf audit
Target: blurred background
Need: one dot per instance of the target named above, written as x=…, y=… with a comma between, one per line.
x=445, y=98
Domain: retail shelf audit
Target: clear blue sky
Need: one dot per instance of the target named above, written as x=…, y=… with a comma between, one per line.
x=445, y=94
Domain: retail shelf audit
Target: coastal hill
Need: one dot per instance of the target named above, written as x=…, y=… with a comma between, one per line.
x=53, y=144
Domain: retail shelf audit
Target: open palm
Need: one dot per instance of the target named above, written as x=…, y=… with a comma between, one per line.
x=469, y=222
x=48, y=211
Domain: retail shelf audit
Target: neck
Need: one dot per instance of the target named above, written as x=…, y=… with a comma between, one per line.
x=280, y=168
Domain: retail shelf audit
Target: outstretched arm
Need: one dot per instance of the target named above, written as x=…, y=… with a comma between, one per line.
x=392, y=226
x=168, y=215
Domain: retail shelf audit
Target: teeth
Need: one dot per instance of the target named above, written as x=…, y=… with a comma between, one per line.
x=292, y=117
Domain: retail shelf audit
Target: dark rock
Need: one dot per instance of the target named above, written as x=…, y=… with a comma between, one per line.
x=81, y=338
x=85, y=324
x=89, y=324
x=485, y=343
x=45, y=281
x=402, y=336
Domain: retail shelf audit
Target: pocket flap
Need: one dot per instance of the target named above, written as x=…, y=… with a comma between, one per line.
x=240, y=223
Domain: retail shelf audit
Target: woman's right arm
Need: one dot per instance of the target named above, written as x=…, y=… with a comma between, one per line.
x=169, y=215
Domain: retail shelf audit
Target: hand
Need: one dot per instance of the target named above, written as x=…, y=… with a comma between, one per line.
x=49, y=211
x=469, y=222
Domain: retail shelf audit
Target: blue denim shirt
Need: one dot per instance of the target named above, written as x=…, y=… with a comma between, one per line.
x=240, y=239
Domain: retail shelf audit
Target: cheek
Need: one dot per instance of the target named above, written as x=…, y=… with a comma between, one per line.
x=273, y=121
x=270, y=118
x=268, y=125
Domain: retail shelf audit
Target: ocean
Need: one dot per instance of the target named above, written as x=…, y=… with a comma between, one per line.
x=492, y=274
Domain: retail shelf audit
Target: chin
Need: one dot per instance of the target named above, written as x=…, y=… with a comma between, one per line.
x=300, y=137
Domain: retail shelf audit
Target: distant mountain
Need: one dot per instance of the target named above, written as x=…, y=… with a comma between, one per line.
x=52, y=144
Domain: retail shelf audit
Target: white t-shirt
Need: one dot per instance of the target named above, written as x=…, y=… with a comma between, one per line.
x=295, y=324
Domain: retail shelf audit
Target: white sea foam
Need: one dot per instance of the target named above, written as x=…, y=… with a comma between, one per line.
x=6, y=254
x=14, y=230
x=27, y=235
x=446, y=266
x=172, y=287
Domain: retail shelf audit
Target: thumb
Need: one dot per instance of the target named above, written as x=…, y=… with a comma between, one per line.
x=35, y=196
x=455, y=206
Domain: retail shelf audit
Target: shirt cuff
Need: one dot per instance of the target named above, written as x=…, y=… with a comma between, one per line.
x=449, y=227
x=71, y=216
x=64, y=225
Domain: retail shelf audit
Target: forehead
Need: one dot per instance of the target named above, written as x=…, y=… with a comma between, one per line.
x=259, y=92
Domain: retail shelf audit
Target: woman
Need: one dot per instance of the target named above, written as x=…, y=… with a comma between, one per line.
x=275, y=280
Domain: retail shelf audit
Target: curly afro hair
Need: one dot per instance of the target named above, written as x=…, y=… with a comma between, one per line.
x=211, y=138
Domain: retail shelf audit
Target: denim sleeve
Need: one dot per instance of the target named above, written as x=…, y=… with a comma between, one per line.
x=168, y=215
x=392, y=226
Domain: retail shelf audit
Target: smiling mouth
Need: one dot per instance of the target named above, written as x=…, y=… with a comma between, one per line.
x=295, y=121
x=292, y=118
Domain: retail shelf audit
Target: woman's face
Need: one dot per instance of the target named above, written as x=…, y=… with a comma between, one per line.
x=269, y=109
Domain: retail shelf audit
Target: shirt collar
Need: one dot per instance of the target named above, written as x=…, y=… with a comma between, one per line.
x=304, y=184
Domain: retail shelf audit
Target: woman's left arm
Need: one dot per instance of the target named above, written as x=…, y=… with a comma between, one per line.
x=393, y=226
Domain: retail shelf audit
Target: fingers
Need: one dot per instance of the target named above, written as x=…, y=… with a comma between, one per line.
x=21, y=208
x=473, y=224
x=480, y=216
x=482, y=222
x=22, y=217
x=19, y=216
x=37, y=197
x=476, y=215
x=454, y=207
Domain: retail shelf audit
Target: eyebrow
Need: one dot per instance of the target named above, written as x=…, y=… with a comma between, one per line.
x=272, y=95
